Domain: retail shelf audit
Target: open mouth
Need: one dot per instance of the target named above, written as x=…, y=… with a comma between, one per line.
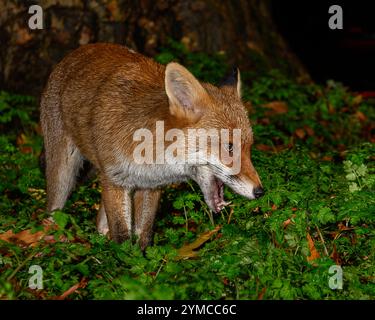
x=217, y=195
x=212, y=188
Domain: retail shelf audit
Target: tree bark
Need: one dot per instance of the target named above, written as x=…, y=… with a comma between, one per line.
x=243, y=30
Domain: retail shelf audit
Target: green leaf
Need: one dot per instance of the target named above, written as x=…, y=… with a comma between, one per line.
x=350, y=177
x=353, y=187
x=83, y=268
x=61, y=219
x=325, y=215
x=362, y=170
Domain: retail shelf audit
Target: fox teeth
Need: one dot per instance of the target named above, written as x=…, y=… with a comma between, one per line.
x=224, y=203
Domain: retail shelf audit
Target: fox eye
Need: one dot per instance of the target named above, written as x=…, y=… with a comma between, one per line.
x=229, y=147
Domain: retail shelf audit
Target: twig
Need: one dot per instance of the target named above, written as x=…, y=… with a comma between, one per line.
x=72, y=289
x=29, y=257
x=161, y=266
x=322, y=239
x=186, y=220
x=211, y=218
x=208, y=212
x=230, y=214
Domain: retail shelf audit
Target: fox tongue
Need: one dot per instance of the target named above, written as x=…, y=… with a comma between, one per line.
x=218, y=196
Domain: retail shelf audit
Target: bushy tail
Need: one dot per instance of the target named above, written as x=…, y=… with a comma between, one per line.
x=86, y=173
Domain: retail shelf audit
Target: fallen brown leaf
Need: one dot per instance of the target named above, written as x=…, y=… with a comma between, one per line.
x=21, y=139
x=276, y=107
x=331, y=108
x=38, y=129
x=275, y=149
x=360, y=116
x=188, y=251
x=26, y=238
x=22, y=142
x=335, y=256
x=288, y=221
x=263, y=147
x=358, y=99
x=314, y=254
x=343, y=227
x=264, y=121
x=23, y=36
x=345, y=109
x=300, y=133
x=327, y=158
x=309, y=130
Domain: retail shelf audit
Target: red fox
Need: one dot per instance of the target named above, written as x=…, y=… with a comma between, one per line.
x=96, y=99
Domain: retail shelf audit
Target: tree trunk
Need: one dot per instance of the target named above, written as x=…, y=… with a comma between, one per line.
x=243, y=29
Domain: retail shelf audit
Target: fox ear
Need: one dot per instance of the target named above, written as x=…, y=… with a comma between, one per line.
x=233, y=80
x=186, y=95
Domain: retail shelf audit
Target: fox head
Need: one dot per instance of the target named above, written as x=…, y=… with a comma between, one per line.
x=204, y=106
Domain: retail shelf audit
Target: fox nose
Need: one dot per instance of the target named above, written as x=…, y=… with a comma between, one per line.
x=258, y=192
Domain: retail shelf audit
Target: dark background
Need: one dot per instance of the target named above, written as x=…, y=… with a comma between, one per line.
x=255, y=35
x=347, y=55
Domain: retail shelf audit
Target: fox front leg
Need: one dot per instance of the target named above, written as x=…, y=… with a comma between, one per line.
x=146, y=204
x=118, y=209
